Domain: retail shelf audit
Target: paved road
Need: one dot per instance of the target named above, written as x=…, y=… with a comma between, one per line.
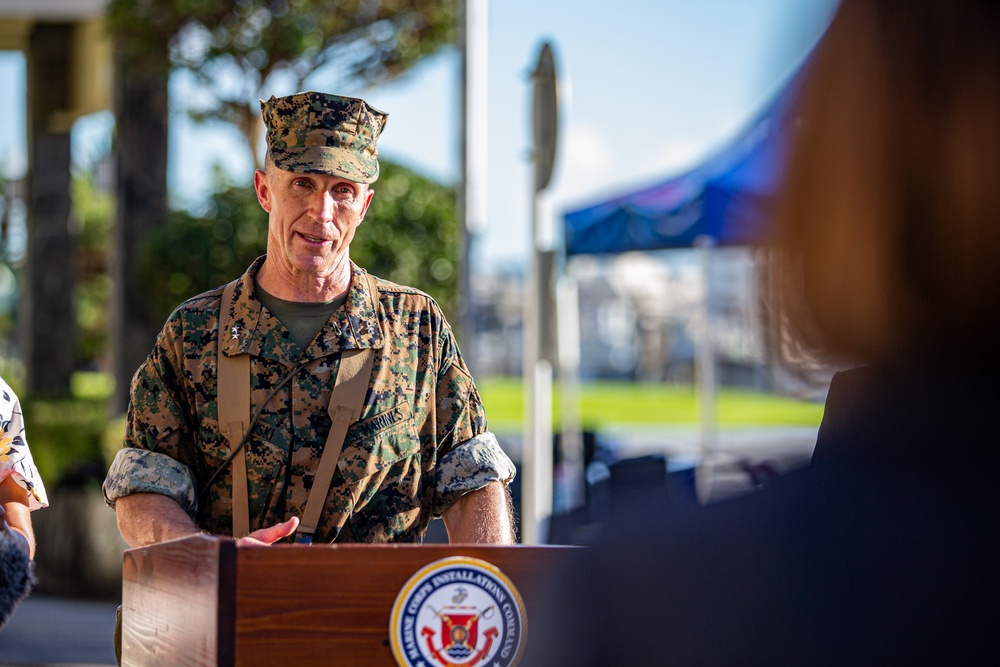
x=53, y=631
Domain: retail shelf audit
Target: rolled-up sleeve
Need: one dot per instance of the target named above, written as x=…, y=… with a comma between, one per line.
x=469, y=466
x=156, y=455
x=142, y=471
x=470, y=456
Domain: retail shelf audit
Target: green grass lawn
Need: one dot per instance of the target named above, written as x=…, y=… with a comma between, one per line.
x=62, y=432
x=607, y=403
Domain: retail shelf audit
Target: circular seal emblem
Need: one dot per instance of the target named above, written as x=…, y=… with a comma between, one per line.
x=458, y=612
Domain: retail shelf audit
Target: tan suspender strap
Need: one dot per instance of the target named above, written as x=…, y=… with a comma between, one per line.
x=234, y=412
x=346, y=400
x=348, y=397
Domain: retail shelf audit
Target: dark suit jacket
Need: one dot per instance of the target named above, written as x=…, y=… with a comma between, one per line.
x=884, y=551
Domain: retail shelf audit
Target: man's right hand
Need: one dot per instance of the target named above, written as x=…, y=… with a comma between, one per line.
x=148, y=518
x=268, y=536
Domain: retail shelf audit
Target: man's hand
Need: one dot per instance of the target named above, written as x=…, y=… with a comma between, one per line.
x=484, y=516
x=148, y=518
x=268, y=536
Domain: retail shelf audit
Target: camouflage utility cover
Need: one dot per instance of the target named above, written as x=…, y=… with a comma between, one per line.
x=421, y=443
x=322, y=133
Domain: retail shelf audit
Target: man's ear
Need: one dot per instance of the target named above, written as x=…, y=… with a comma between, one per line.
x=263, y=189
x=368, y=200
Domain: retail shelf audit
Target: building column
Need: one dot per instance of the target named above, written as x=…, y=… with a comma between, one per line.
x=48, y=323
x=141, y=173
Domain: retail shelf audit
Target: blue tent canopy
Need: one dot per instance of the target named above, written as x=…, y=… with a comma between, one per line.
x=726, y=198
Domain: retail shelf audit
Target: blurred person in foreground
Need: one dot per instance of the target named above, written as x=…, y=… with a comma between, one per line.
x=883, y=551
x=419, y=446
x=21, y=492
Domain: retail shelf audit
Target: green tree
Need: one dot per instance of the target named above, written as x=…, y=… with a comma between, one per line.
x=409, y=236
x=243, y=50
x=94, y=213
x=194, y=253
x=8, y=276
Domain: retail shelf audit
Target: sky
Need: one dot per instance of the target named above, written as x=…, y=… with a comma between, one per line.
x=646, y=91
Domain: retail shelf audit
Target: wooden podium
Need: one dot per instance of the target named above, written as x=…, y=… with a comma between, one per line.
x=204, y=601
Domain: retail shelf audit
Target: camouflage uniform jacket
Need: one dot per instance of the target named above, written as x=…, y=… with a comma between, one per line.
x=421, y=442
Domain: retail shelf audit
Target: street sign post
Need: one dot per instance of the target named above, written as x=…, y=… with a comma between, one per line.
x=536, y=500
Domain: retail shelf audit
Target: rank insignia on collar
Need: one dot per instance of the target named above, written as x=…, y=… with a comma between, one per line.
x=236, y=332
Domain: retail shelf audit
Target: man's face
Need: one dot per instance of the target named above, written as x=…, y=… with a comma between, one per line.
x=312, y=220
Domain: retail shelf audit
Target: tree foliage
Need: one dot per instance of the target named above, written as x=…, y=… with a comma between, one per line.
x=409, y=236
x=94, y=213
x=194, y=253
x=243, y=50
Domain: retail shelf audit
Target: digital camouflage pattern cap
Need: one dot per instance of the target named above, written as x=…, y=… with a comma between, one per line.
x=326, y=134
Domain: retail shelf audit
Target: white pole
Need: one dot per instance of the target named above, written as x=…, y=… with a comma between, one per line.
x=705, y=374
x=541, y=479
x=568, y=349
x=536, y=489
x=477, y=125
x=536, y=452
x=472, y=203
x=529, y=358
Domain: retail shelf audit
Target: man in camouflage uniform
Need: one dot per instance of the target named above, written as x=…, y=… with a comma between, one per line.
x=421, y=447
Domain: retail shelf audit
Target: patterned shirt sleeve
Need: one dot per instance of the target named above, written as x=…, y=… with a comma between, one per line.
x=470, y=466
x=15, y=457
x=471, y=456
x=154, y=458
x=141, y=471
